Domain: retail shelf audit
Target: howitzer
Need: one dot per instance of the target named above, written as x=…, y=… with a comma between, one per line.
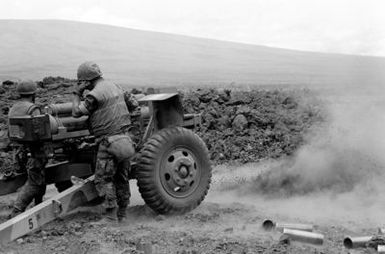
x=72, y=147
x=171, y=163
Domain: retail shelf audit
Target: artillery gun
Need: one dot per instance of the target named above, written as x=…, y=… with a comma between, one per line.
x=171, y=163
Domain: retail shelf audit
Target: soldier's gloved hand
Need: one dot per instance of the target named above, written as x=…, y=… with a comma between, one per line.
x=79, y=89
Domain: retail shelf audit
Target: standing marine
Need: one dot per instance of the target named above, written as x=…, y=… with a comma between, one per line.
x=34, y=164
x=107, y=106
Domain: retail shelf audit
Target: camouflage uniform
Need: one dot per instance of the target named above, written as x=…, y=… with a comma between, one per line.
x=20, y=159
x=111, y=178
x=108, y=116
x=35, y=187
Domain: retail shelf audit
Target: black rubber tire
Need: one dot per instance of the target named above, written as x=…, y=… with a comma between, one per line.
x=155, y=187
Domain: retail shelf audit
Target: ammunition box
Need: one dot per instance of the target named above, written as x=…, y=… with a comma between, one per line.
x=29, y=128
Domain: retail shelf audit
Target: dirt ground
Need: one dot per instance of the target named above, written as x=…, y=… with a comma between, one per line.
x=228, y=221
x=288, y=156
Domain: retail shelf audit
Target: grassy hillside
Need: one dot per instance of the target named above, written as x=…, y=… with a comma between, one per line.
x=35, y=49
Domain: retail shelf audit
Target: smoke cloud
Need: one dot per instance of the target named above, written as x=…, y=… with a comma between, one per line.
x=339, y=174
x=344, y=154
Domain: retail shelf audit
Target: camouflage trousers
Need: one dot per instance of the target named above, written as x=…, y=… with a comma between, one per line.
x=35, y=187
x=111, y=178
x=20, y=159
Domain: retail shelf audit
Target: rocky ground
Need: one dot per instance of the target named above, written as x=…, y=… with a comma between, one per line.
x=248, y=133
x=238, y=126
x=221, y=224
x=246, y=126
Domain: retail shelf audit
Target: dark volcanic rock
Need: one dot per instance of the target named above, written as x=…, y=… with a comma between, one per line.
x=240, y=122
x=248, y=126
x=8, y=83
x=237, y=126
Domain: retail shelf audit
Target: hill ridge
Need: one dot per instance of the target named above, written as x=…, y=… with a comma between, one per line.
x=39, y=48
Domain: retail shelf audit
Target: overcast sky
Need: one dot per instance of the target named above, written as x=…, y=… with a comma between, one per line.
x=340, y=26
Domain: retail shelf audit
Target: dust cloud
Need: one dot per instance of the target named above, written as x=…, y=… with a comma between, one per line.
x=338, y=176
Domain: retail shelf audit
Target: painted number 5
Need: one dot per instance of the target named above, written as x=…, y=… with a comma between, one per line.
x=30, y=223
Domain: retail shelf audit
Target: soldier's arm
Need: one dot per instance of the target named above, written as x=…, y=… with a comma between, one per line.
x=86, y=107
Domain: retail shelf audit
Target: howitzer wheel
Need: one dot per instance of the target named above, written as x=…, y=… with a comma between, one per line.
x=174, y=171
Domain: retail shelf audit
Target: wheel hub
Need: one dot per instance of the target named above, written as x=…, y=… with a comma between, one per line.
x=184, y=171
x=180, y=172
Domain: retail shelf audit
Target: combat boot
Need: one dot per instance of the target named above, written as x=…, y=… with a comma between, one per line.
x=122, y=214
x=111, y=214
x=109, y=217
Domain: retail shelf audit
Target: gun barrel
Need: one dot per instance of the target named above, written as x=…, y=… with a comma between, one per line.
x=60, y=109
x=69, y=122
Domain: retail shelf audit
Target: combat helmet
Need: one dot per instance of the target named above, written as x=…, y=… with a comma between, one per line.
x=89, y=71
x=26, y=87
